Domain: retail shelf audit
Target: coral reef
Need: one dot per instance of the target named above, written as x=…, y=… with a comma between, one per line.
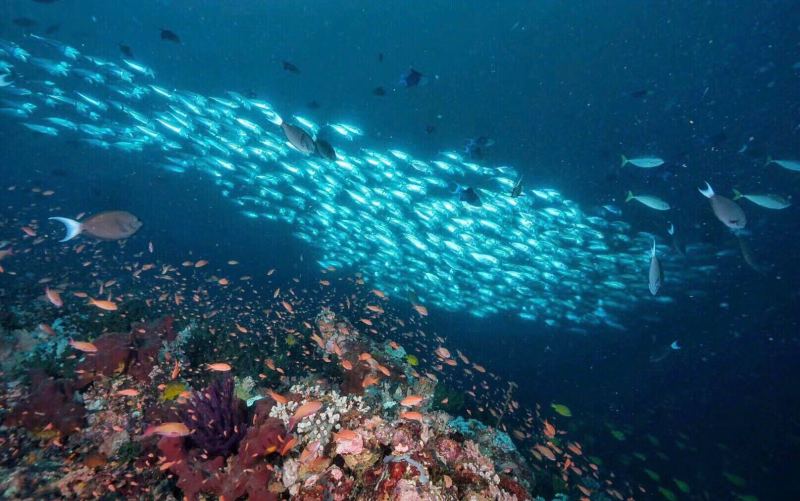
x=216, y=417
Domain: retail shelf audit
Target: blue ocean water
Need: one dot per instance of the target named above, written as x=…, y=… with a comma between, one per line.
x=562, y=90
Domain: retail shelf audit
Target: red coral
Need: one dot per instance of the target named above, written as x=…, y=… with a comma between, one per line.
x=49, y=402
x=135, y=353
x=246, y=473
x=447, y=450
x=513, y=487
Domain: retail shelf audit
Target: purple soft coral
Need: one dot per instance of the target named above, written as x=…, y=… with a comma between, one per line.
x=217, y=418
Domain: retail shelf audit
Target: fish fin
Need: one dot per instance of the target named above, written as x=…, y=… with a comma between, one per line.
x=653, y=252
x=708, y=192
x=629, y=197
x=736, y=194
x=74, y=228
x=624, y=160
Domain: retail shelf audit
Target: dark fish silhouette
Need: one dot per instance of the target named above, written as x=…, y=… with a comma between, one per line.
x=642, y=93
x=380, y=57
x=325, y=150
x=378, y=91
x=291, y=68
x=476, y=146
x=469, y=195
x=52, y=29
x=169, y=36
x=24, y=22
x=430, y=129
x=412, y=78
x=126, y=50
x=517, y=189
x=313, y=105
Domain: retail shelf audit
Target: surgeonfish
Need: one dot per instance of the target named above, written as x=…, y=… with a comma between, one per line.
x=655, y=276
x=649, y=201
x=325, y=150
x=642, y=162
x=300, y=139
x=725, y=209
x=110, y=225
x=768, y=201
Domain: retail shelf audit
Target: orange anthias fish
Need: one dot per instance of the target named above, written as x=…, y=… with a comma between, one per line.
x=103, y=305
x=412, y=401
x=54, y=297
x=288, y=446
x=277, y=397
x=369, y=380
x=219, y=367
x=411, y=416
x=442, y=352
x=130, y=392
x=168, y=430
x=305, y=410
x=421, y=310
x=83, y=346
x=549, y=429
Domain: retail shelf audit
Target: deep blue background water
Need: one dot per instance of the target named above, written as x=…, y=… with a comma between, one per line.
x=551, y=82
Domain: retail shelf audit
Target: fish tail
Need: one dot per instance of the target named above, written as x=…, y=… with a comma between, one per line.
x=624, y=160
x=708, y=192
x=653, y=252
x=73, y=227
x=629, y=197
x=736, y=194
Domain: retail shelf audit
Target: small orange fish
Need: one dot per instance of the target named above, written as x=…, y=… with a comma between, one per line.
x=386, y=372
x=442, y=352
x=102, y=304
x=324, y=282
x=421, y=310
x=176, y=369
x=378, y=293
x=277, y=397
x=549, y=429
x=366, y=321
x=287, y=306
x=369, y=380
x=168, y=430
x=47, y=329
x=544, y=451
x=374, y=308
x=364, y=357
x=411, y=416
x=288, y=446
x=83, y=346
x=412, y=401
x=200, y=263
x=345, y=436
x=347, y=365
x=305, y=410
x=29, y=231
x=54, y=297
x=130, y=392
x=219, y=367
x=240, y=328
x=223, y=281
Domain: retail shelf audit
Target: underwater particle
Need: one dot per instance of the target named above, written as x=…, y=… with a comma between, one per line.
x=562, y=409
x=172, y=390
x=411, y=78
x=379, y=91
x=412, y=360
x=126, y=51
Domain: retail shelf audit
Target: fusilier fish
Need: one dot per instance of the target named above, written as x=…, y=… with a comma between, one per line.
x=768, y=201
x=649, y=201
x=643, y=162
